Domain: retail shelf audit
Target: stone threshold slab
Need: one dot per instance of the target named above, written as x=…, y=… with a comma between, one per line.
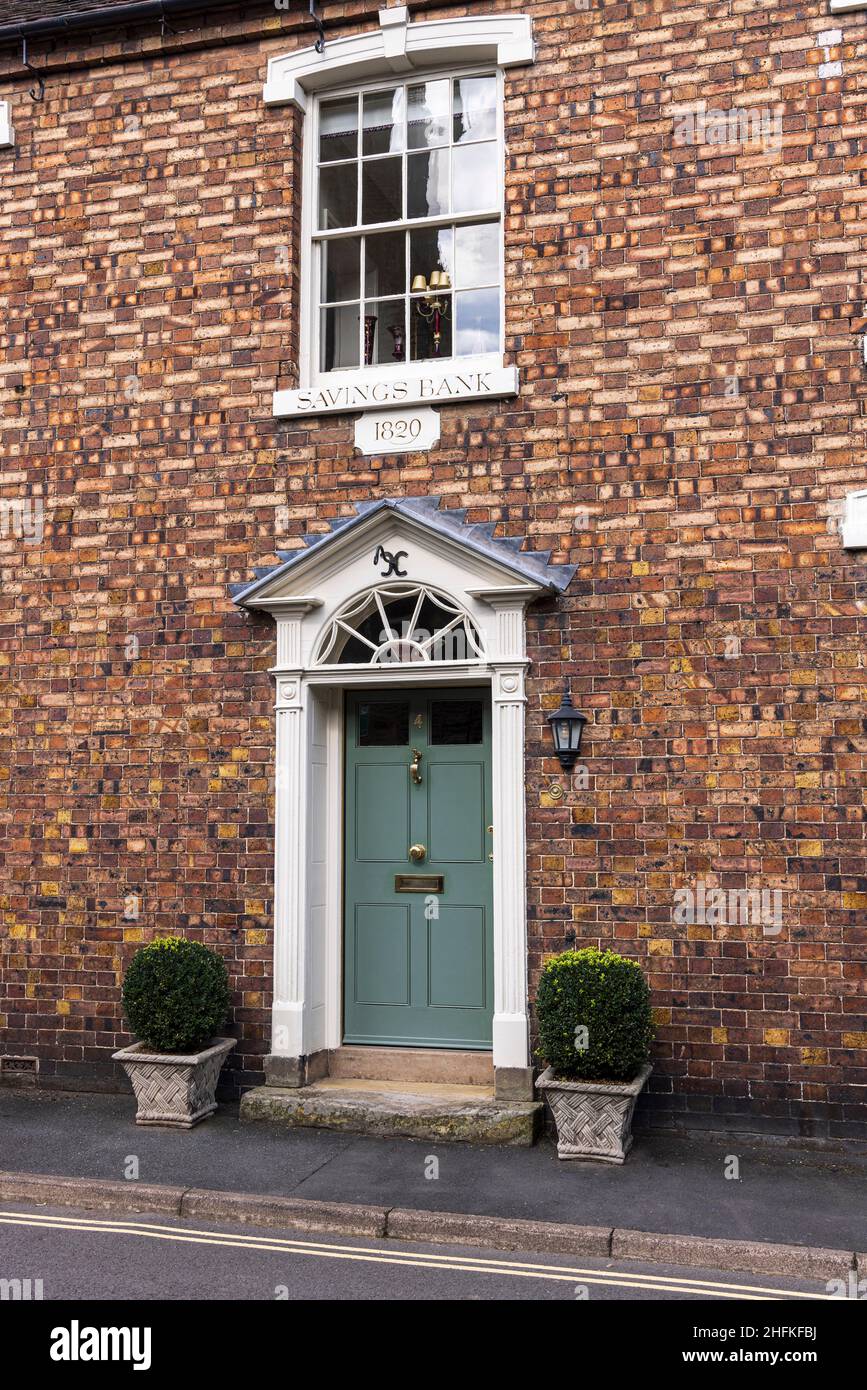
x=463, y=1114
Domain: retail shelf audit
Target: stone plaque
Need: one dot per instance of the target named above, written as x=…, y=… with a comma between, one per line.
x=397, y=431
x=346, y=392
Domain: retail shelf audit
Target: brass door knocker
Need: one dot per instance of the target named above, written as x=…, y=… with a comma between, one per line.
x=414, y=769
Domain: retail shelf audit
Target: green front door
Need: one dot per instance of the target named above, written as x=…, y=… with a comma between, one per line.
x=418, y=949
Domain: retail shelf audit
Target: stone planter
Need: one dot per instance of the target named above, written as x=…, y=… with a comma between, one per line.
x=174, y=1089
x=593, y=1118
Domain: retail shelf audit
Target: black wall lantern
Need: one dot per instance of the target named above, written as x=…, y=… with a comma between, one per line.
x=567, y=726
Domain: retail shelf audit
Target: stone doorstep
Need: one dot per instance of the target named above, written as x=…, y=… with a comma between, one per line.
x=416, y=1110
x=429, y=1064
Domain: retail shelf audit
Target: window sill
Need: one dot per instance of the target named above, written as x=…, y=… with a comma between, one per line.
x=384, y=388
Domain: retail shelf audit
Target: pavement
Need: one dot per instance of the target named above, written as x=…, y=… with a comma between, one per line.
x=670, y=1195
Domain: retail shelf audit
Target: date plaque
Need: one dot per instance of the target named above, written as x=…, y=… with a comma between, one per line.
x=397, y=431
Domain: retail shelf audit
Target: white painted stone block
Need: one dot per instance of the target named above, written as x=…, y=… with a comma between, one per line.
x=7, y=134
x=855, y=521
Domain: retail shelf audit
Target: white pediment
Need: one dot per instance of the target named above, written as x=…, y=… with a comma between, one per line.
x=388, y=545
x=404, y=542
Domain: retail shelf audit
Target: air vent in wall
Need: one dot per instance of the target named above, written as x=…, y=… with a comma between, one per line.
x=18, y=1071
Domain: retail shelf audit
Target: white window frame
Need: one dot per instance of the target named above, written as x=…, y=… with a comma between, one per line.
x=313, y=238
x=7, y=134
x=397, y=51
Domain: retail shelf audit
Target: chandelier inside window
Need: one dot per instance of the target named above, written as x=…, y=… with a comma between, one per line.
x=399, y=623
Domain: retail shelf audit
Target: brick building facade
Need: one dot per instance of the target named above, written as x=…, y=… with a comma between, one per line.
x=684, y=224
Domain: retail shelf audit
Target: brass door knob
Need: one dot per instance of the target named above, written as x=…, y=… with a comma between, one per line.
x=417, y=853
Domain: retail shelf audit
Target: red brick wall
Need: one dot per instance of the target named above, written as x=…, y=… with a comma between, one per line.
x=715, y=627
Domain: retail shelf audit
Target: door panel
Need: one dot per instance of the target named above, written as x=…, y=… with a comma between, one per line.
x=418, y=965
x=381, y=833
x=456, y=811
x=456, y=955
x=382, y=954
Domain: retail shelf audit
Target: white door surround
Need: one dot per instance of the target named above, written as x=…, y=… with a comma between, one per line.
x=493, y=584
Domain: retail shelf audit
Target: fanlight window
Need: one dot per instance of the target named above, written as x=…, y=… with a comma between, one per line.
x=399, y=623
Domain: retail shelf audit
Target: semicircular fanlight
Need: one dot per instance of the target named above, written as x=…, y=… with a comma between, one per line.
x=399, y=624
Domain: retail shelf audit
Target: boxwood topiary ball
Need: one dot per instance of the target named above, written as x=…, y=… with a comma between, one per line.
x=594, y=1016
x=176, y=994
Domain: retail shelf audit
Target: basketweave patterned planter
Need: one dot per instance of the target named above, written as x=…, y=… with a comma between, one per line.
x=174, y=1089
x=593, y=1118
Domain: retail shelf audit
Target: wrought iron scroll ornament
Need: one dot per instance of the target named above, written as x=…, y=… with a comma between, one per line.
x=392, y=559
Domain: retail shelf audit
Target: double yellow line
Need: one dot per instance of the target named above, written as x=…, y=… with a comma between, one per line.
x=464, y=1264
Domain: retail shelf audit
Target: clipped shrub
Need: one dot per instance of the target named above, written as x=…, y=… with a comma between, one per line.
x=176, y=994
x=593, y=1009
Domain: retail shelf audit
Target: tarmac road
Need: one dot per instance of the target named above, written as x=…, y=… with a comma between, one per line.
x=82, y=1256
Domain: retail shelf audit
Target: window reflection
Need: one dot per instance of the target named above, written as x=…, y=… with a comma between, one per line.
x=477, y=254
x=383, y=121
x=381, y=191
x=339, y=338
x=432, y=248
x=474, y=177
x=477, y=328
x=341, y=261
x=475, y=109
x=427, y=184
x=338, y=196
x=338, y=129
x=428, y=115
x=385, y=264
